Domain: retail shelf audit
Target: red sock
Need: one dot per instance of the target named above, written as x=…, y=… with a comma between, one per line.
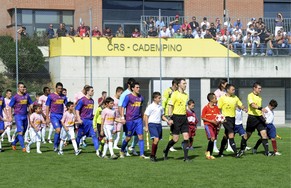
x=274, y=144
x=154, y=149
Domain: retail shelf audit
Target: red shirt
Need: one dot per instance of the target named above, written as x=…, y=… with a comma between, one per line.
x=191, y=116
x=210, y=114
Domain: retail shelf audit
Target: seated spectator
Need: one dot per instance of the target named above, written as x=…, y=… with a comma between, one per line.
x=22, y=31
x=83, y=31
x=178, y=34
x=289, y=42
x=107, y=33
x=279, y=21
x=171, y=30
x=176, y=24
x=237, y=29
x=251, y=29
x=212, y=30
x=199, y=35
x=208, y=35
x=203, y=30
x=269, y=44
x=164, y=33
x=205, y=22
x=224, y=30
x=62, y=31
x=237, y=24
x=252, y=22
x=220, y=38
x=194, y=24
x=185, y=26
x=119, y=32
x=188, y=34
x=236, y=41
x=217, y=24
x=247, y=42
x=72, y=32
x=255, y=43
x=194, y=32
x=257, y=26
x=152, y=33
x=279, y=41
x=96, y=33
x=159, y=24
x=136, y=33
x=227, y=42
x=260, y=20
x=50, y=32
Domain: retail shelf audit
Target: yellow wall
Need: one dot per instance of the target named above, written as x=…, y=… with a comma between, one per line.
x=137, y=47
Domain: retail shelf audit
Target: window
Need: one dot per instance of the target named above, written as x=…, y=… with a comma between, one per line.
x=26, y=16
x=47, y=17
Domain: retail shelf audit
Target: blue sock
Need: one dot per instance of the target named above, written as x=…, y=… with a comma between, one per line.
x=15, y=141
x=21, y=140
x=95, y=142
x=124, y=144
x=56, y=139
x=141, y=147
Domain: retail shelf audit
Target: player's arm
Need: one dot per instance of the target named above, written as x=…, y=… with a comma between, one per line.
x=241, y=106
x=78, y=108
x=146, y=122
x=102, y=124
x=255, y=106
x=165, y=99
x=124, y=105
x=63, y=121
x=32, y=123
x=47, y=109
x=169, y=121
x=95, y=119
x=203, y=117
x=9, y=110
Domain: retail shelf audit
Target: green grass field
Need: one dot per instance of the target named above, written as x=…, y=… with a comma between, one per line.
x=86, y=170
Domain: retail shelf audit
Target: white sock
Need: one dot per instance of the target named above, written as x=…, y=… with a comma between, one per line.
x=26, y=134
x=8, y=131
x=0, y=144
x=105, y=149
x=38, y=146
x=75, y=145
x=43, y=133
x=3, y=134
x=111, y=148
x=50, y=132
x=14, y=134
x=61, y=145
x=84, y=138
x=117, y=139
x=29, y=143
x=215, y=146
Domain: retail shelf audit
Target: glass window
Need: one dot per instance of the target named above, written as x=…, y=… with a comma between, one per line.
x=118, y=4
x=68, y=17
x=47, y=17
x=26, y=16
x=271, y=9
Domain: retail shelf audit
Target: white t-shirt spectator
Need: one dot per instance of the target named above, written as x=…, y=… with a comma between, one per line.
x=165, y=34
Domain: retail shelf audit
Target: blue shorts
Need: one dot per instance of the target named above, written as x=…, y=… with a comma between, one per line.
x=134, y=127
x=86, y=128
x=21, y=122
x=155, y=130
x=239, y=129
x=56, y=120
x=271, y=130
x=1, y=125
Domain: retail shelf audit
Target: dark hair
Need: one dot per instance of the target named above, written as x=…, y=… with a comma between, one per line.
x=108, y=100
x=175, y=81
x=119, y=89
x=38, y=94
x=156, y=94
x=59, y=84
x=273, y=103
x=133, y=85
x=69, y=104
x=45, y=88
x=221, y=81
x=85, y=86
x=87, y=89
x=130, y=81
x=103, y=92
x=210, y=96
x=180, y=79
x=228, y=86
x=256, y=84
x=35, y=107
x=64, y=89
x=8, y=90
x=20, y=83
x=191, y=101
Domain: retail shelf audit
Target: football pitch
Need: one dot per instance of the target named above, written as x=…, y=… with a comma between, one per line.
x=86, y=170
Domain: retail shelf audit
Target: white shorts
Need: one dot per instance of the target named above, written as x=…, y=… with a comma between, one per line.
x=108, y=130
x=6, y=124
x=117, y=127
x=35, y=136
x=70, y=134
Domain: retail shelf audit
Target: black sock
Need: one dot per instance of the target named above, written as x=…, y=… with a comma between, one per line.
x=170, y=144
x=232, y=144
x=210, y=146
x=191, y=141
x=222, y=145
x=266, y=145
x=243, y=143
x=258, y=143
x=185, y=148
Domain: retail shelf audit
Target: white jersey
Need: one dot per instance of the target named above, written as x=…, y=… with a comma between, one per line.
x=238, y=116
x=155, y=112
x=269, y=116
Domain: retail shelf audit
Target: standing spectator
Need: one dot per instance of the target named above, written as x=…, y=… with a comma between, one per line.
x=119, y=32
x=22, y=31
x=50, y=32
x=246, y=43
x=262, y=34
x=62, y=31
x=102, y=98
x=171, y=31
x=278, y=22
x=188, y=34
x=150, y=23
x=152, y=33
x=217, y=24
x=194, y=23
x=136, y=33
x=185, y=26
x=237, y=24
x=176, y=24
x=72, y=32
x=252, y=22
x=83, y=31
x=164, y=33
x=255, y=43
x=96, y=32
x=205, y=22
x=212, y=30
x=107, y=33
x=159, y=24
x=279, y=39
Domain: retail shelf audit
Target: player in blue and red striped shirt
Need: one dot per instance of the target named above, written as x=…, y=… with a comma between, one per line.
x=54, y=111
x=84, y=115
x=20, y=102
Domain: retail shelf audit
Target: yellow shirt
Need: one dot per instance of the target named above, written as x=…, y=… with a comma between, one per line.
x=228, y=104
x=166, y=98
x=179, y=102
x=256, y=99
x=97, y=117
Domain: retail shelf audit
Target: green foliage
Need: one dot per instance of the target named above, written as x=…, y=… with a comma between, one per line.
x=86, y=170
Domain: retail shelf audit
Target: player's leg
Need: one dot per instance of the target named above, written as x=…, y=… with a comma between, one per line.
x=38, y=141
x=43, y=131
x=271, y=133
x=261, y=128
x=1, y=132
x=63, y=135
x=8, y=131
x=128, y=133
x=118, y=131
x=138, y=129
x=21, y=129
x=55, y=120
x=211, y=136
x=51, y=129
x=175, y=130
x=71, y=136
x=90, y=132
